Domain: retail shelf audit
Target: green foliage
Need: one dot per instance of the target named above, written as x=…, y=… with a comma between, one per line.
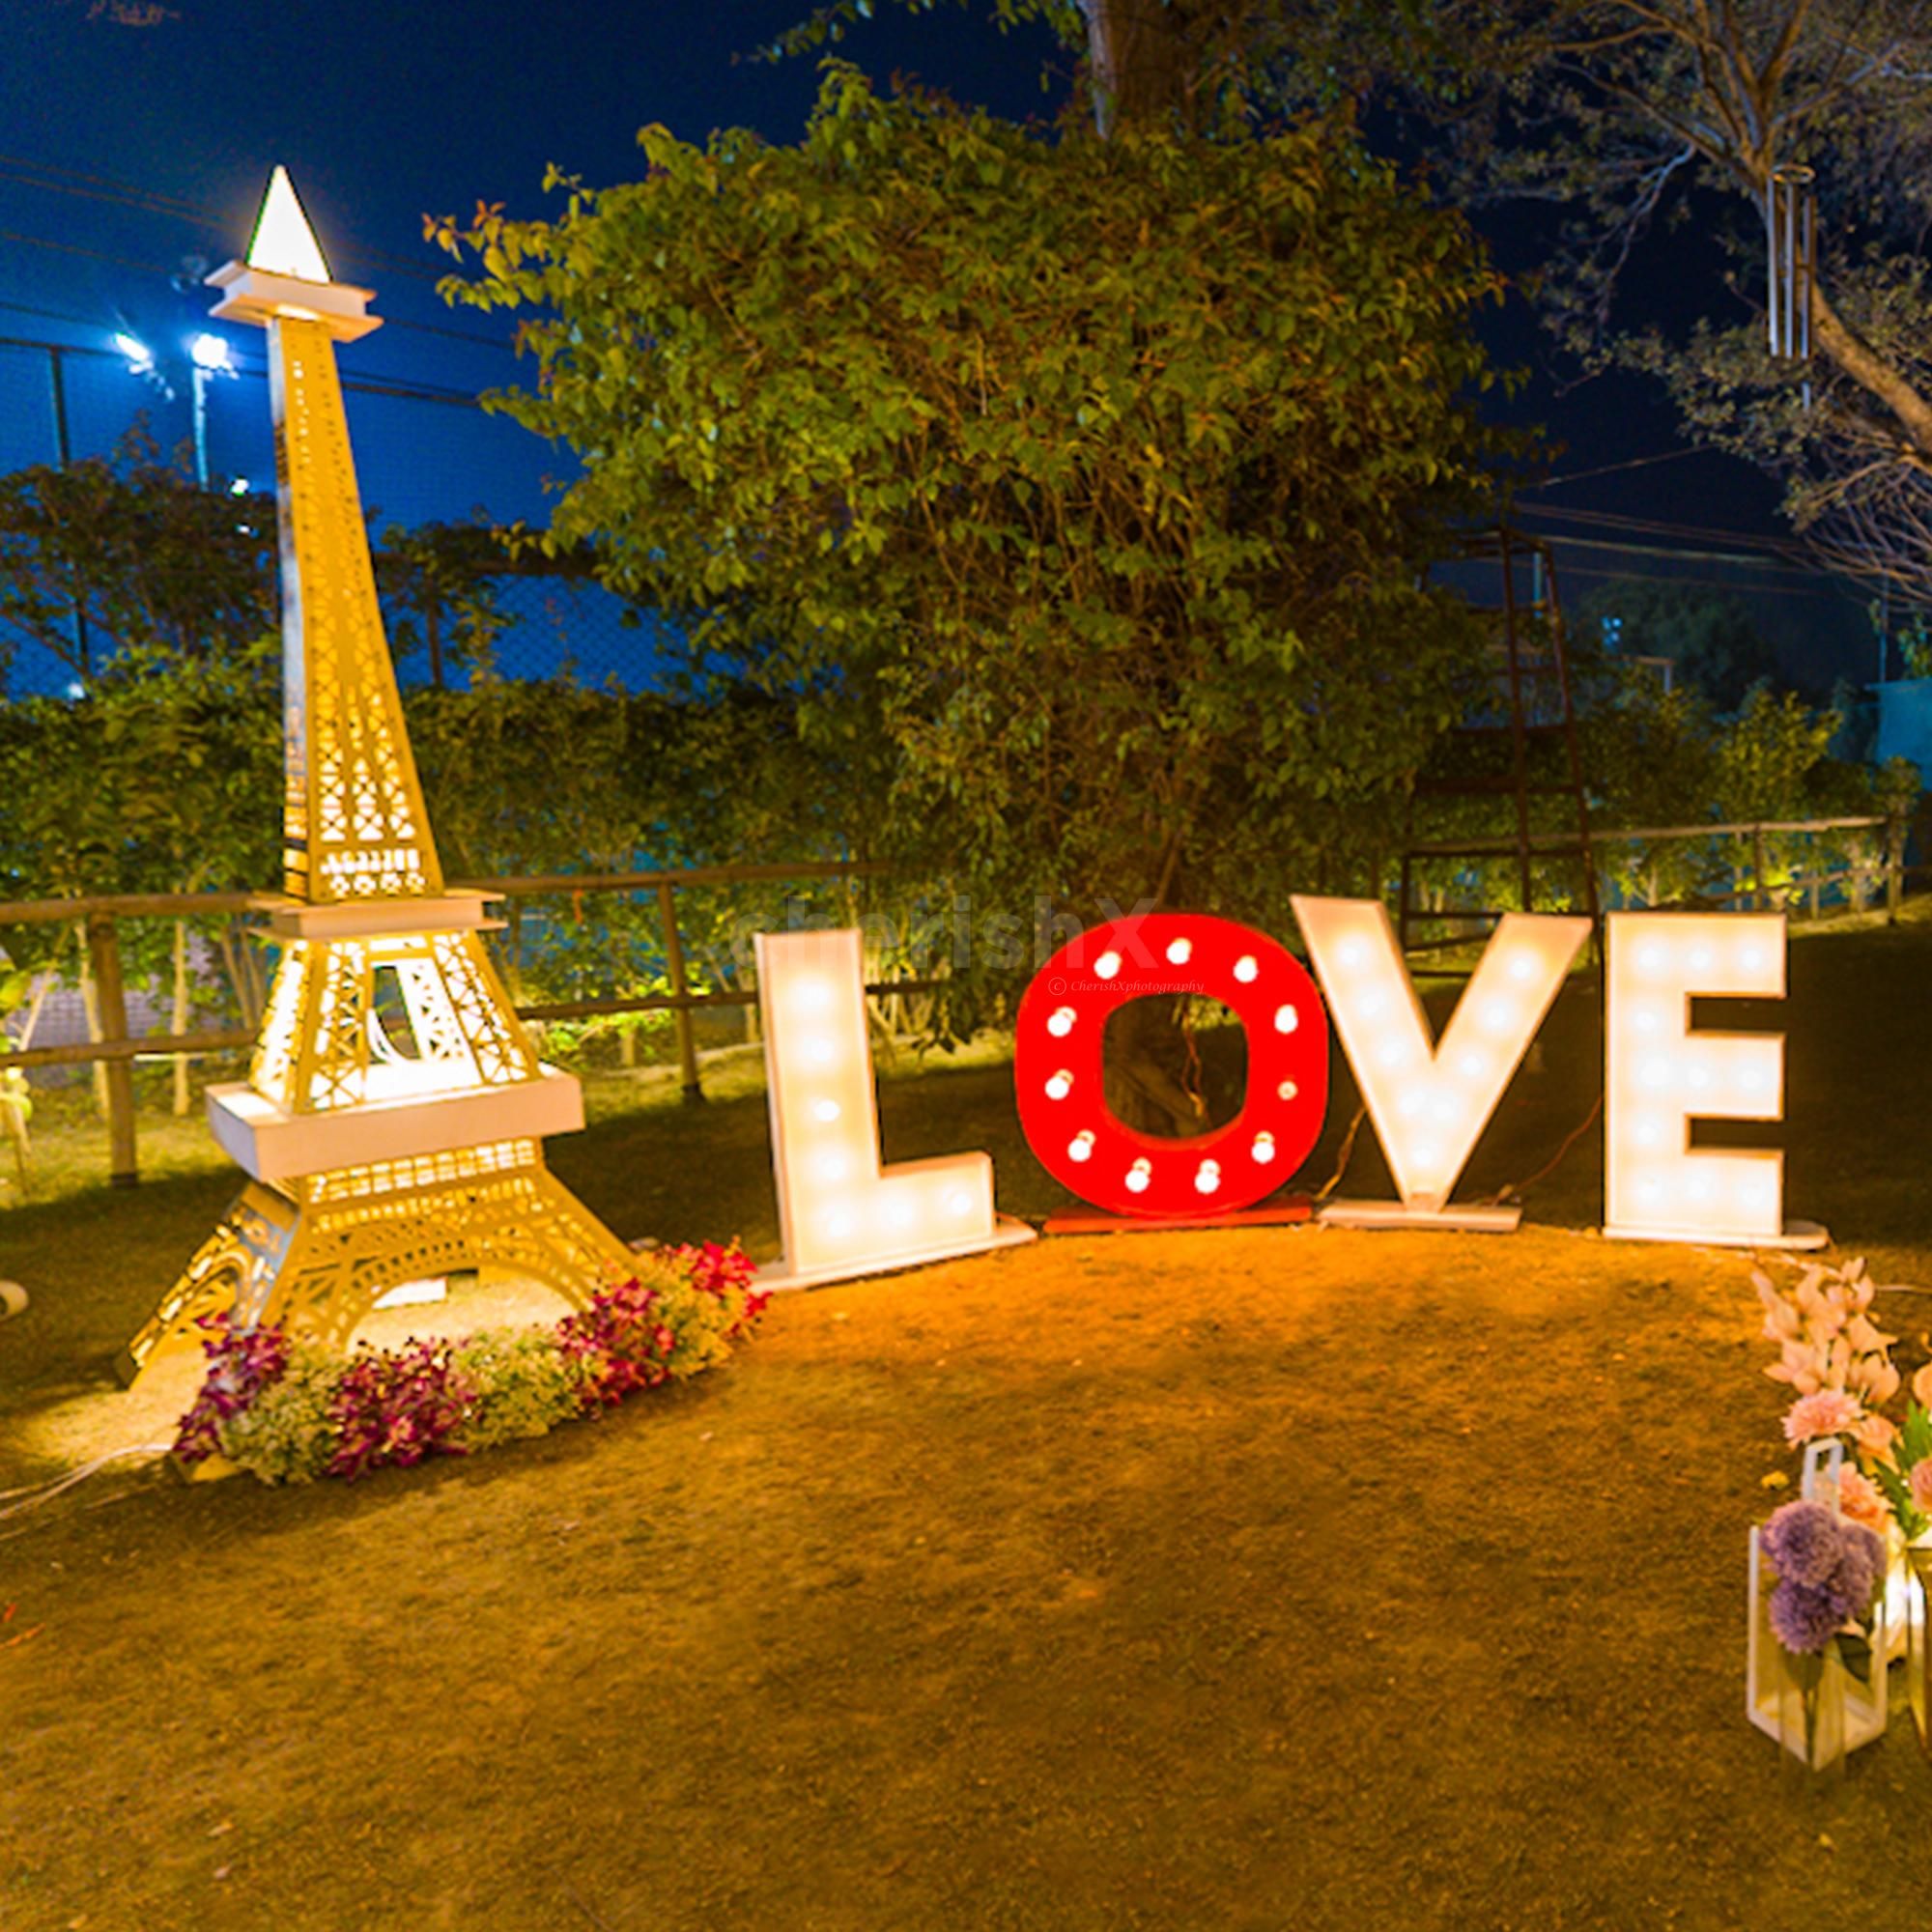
x=126, y=554
x=441, y=587
x=1709, y=634
x=1771, y=758
x=1911, y=638
x=526, y=1384
x=1078, y=492
x=286, y=1435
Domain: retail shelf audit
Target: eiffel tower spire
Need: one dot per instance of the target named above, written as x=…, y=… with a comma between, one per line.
x=380, y=1150
x=353, y=818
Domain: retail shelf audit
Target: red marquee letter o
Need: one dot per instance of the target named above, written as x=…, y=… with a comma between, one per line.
x=1058, y=1060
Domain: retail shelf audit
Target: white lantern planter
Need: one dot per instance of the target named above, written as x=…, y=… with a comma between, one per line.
x=1847, y=1712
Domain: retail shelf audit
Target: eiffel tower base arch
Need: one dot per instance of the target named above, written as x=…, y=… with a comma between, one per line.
x=315, y=1258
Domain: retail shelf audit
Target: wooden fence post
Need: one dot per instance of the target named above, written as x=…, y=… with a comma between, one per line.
x=687, y=1044
x=1763, y=899
x=105, y=952
x=1894, y=864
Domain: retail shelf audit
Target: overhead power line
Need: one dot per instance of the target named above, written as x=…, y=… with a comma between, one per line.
x=1606, y=468
x=157, y=269
x=1784, y=548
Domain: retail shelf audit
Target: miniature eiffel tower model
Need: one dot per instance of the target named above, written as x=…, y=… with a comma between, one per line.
x=372, y=1163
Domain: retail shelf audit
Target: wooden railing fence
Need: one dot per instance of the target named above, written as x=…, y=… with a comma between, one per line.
x=115, y=1051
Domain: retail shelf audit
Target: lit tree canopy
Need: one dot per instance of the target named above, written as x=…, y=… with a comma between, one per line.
x=1624, y=115
x=1090, y=481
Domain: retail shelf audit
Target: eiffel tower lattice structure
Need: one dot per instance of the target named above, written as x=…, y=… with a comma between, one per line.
x=393, y=1117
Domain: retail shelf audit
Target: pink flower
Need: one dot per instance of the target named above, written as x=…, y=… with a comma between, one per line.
x=1878, y=1379
x=1826, y=1412
x=1921, y=1484
x=1859, y=1500
x=1800, y=1365
x=1865, y=1337
x=1782, y=1322
x=1875, y=1435
x=1921, y=1386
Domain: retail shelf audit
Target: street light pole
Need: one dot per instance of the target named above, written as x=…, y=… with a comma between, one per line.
x=210, y=354
x=64, y=455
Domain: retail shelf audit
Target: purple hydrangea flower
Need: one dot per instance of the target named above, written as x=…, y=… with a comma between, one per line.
x=1861, y=1563
x=1803, y=1541
x=1804, y=1620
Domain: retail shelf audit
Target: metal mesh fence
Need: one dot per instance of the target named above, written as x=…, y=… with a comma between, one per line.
x=424, y=458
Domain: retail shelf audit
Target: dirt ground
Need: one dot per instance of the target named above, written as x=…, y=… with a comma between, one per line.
x=1270, y=1578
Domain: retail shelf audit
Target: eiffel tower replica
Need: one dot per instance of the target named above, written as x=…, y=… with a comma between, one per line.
x=373, y=1160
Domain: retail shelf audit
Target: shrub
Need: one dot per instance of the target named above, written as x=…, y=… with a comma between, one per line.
x=289, y=1410
x=526, y=1384
x=288, y=1433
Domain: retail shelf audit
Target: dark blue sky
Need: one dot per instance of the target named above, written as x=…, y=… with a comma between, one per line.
x=385, y=111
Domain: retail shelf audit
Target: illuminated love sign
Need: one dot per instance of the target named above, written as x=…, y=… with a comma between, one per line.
x=1657, y=1075
x=1059, y=1042
x=843, y=1213
x=1431, y=1103
x=840, y=1212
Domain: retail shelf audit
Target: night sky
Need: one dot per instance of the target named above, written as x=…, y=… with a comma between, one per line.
x=129, y=152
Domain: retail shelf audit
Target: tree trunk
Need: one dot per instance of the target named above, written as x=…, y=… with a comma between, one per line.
x=91, y=1007
x=180, y=1014
x=1145, y=1081
x=1872, y=374
x=1141, y=61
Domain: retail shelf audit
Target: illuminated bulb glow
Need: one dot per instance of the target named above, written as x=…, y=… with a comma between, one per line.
x=1080, y=1147
x=1658, y=1073
x=1107, y=966
x=1286, y=1019
x=840, y=1210
x=1246, y=967
x=1430, y=1103
x=284, y=243
x=1179, y=951
x=1061, y=1023
x=1059, y=1085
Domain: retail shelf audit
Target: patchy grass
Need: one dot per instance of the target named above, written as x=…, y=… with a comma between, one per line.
x=1245, y=1579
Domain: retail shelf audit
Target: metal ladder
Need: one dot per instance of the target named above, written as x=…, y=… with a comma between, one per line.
x=1529, y=706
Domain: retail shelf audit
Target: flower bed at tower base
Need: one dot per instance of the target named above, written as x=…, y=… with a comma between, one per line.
x=289, y=1409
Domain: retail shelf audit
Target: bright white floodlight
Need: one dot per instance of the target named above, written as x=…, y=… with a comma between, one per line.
x=140, y=358
x=210, y=352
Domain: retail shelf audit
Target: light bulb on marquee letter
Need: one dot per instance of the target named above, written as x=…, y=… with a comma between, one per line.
x=1659, y=1075
x=1059, y=1066
x=1431, y=1104
x=840, y=1212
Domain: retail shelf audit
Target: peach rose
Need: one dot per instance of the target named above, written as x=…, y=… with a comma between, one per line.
x=1861, y=1502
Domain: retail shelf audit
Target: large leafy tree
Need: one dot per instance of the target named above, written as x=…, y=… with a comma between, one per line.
x=1624, y=118
x=1083, y=486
